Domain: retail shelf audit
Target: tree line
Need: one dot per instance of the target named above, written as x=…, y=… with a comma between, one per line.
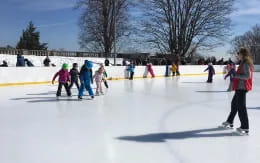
x=175, y=27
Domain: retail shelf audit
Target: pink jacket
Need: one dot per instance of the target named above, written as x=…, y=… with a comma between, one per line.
x=149, y=67
x=98, y=76
x=64, y=76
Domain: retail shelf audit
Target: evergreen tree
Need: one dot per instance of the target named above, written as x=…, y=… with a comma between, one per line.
x=30, y=39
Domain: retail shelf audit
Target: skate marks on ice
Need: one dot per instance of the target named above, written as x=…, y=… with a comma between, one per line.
x=45, y=99
x=163, y=137
x=50, y=96
x=254, y=108
x=51, y=92
x=42, y=94
x=194, y=82
x=221, y=91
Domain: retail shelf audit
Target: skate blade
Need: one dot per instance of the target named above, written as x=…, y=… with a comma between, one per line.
x=241, y=133
x=226, y=127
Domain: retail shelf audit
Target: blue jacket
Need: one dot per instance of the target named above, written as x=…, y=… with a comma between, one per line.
x=231, y=73
x=86, y=73
x=131, y=68
x=20, y=61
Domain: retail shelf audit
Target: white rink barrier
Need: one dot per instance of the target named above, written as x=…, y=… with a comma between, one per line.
x=257, y=68
x=12, y=76
x=57, y=60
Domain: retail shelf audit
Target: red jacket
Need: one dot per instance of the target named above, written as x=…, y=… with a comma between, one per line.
x=248, y=82
x=64, y=76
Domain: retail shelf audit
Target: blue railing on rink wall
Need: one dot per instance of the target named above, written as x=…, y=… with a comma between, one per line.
x=53, y=53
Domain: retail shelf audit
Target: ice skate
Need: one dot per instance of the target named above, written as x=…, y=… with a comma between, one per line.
x=226, y=125
x=80, y=97
x=242, y=132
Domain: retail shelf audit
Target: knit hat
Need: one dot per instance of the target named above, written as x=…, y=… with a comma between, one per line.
x=75, y=65
x=65, y=66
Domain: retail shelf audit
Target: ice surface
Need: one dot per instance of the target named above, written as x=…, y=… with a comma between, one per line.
x=172, y=120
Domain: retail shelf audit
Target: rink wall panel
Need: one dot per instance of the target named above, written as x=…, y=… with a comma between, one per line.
x=257, y=68
x=57, y=60
x=43, y=75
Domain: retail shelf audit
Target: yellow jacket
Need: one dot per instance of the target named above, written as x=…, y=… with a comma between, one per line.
x=174, y=68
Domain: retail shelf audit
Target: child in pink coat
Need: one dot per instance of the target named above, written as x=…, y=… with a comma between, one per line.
x=150, y=69
x=98, y=77
x=64, y=78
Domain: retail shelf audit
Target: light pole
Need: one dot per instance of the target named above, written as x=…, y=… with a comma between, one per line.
x=114, y=32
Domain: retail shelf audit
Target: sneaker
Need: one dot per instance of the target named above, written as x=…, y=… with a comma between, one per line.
x=227, y=125
x=80, y=97
x=92, y=97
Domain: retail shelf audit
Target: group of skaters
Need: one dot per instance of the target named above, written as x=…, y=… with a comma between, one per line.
x=131, y=70
x=240, y=82
x=82, y=79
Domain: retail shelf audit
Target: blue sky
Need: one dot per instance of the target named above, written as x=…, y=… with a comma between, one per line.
x=57, y=21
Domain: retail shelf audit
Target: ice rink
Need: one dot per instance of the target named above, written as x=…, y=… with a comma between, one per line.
x=162, y=120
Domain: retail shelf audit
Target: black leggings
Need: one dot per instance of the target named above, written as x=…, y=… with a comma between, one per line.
x=238, y=104
x=131, y=75
x=60, y=88
x=72, y=83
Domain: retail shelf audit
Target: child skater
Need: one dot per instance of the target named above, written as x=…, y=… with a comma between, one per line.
x=167, y=70
x=131, y=69
x=178, y=68
x=64, y=78
x=173, y=69
x=86, y=79
x=104, y=75
x=231, y=73
x=242, y=83
x=211, y=71
x=150, y=69
x=98, y=79
x=74, y=76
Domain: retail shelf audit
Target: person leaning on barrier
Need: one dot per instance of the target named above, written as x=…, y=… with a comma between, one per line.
x=20, y=61
x=106, y=62
x=4, y=64
x=46, y=61
x=28, y=63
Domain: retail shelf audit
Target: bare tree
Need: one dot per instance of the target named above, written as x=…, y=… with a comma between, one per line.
x=98, y=22
x=250, y=40
x=181, y=26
